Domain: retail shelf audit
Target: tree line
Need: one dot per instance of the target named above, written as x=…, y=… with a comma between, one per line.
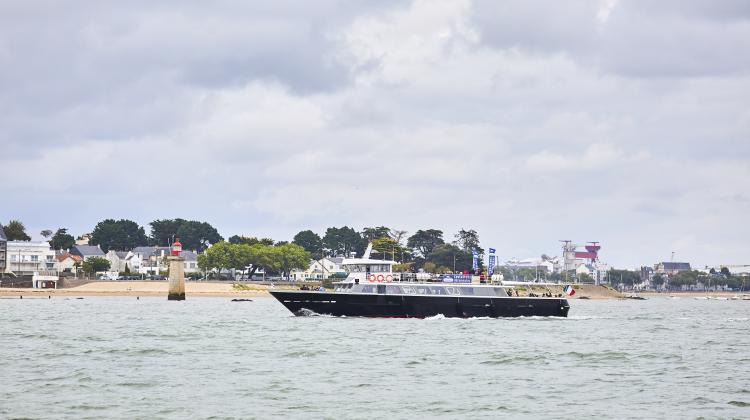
x=426, y=249
x=124, y=235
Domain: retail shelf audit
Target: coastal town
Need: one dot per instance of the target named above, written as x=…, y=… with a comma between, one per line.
x=119, y=250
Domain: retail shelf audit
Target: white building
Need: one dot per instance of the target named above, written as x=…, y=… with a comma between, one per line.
x=87, y=251
x=151, y=260
x=29, y=257
x=319, y=269
x=68, y=262
x=3, y=250
x=543, y=265
x=116, y=260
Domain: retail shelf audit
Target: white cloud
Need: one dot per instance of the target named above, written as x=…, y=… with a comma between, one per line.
x=526, y=126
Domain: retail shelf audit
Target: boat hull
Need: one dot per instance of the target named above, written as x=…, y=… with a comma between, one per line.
x=418, y=306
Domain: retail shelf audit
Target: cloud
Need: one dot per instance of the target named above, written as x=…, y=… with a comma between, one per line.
x=596, y=156
x=624, y=122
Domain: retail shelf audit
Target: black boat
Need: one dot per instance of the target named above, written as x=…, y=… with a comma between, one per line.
x=372, y=290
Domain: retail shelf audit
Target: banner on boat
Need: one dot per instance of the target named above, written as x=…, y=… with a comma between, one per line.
x=456, y=278
x=475, y=261
x=491, y=264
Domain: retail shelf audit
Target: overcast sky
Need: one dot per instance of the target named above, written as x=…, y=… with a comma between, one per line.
x=624, y=122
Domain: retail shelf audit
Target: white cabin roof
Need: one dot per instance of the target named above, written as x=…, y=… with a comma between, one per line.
x=354, y=261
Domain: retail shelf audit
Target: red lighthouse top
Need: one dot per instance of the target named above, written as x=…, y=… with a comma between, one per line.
x=176, y=248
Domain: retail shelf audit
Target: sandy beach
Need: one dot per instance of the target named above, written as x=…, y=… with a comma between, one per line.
x=143, y=288
x=223, y=289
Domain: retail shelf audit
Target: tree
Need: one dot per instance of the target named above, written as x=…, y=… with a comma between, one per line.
x=388, y=247
x=16, y=231
x=344, y=240
x=585, y=278
x=217, y=257
x=197, y=235
x=62, y=240
x=95, y=265
x=290, y=257
x=398, y=235
x=372, y=233
x=725, y=272
x=658, y=280
x=193, y=234
x=685, y=278
x=446, y=254
x=424, y=241
x=250, y=240
x=625, y=277
x=402, y=268
x=468, y=240
x=46, y=233
x=310, y=241
x=164, y=231
x=430, y=267
x=120, y=235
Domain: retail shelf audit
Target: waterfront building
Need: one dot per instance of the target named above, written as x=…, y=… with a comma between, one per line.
x=68, y=263
x=116, y=260
x=150, y=260
x=3, y=250
x=29, y=257
x=83, y=239
x=87, y=251
x=542, y=265
x=671, y=268
x=319, y=269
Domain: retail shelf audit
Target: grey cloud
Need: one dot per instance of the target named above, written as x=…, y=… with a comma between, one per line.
x=546, y=126
x=640, y=39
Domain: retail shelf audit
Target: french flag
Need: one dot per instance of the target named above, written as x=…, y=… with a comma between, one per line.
x=569, y=290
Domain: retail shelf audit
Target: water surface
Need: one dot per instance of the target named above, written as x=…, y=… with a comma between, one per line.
x=211, y=358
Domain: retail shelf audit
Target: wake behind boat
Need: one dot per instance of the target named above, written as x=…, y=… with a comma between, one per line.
x=371, y=289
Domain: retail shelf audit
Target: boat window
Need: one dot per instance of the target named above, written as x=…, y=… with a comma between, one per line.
x=422, y=290
x=368, y=288
x=437, y=290
x=395, y=290
x=466, y=290
x=409, y=290
x=381, y=289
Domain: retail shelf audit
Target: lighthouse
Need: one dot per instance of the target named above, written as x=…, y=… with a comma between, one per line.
x=176, y=273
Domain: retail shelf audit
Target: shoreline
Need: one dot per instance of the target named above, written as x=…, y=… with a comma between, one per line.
x=209, y=289
x=688, y=293
x=142, y=288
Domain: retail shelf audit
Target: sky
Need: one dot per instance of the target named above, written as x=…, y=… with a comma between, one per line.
x=623, y=122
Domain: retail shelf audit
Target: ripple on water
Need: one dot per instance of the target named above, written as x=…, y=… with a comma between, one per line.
x=209, y=358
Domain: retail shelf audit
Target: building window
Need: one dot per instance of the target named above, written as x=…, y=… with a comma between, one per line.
x=49, y=258
x=14, y=257
x=35, y=258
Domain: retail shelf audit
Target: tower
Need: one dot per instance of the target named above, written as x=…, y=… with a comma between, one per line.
x=176, y=273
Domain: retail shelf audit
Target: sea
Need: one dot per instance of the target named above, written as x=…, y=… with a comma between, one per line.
x=211, y=358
